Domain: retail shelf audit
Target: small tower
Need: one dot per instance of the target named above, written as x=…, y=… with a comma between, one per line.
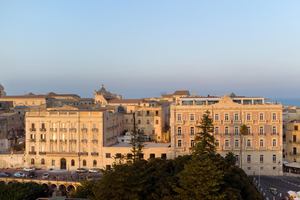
x=2, y=92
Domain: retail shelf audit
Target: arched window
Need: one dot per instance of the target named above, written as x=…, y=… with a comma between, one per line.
x=42, y=161
x=95, y=163
x=32, y=161
x=72, y=162
x=84, y=163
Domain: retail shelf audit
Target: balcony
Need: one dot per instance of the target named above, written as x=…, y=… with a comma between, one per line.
x=32, y=140
x=63, y=130
x=73, y=130
x=42, y=130
x=83, y=153
x=294, y=154
x=84, y=140
x=53, y=129
x=32, y=152
x=42, y=140
x=42, y=153
x=53, y=140
x=95, y=154
x=63, y=141
x=95, y=141
x=32, y=129
x=84, y=130
x=73, y=141
x=95, y=130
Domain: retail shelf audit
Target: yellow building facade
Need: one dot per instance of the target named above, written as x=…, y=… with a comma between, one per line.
x=262, y=146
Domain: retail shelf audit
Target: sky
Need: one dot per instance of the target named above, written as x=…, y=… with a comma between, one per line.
x=145, y=48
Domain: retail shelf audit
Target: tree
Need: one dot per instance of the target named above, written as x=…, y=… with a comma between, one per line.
x=136, y=142
x=243, y=132
x=205, y=141
x=230, y=159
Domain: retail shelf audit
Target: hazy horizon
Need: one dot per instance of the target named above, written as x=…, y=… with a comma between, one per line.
x=142, y=49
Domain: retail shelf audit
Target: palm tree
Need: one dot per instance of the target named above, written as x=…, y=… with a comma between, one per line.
x=243, y=132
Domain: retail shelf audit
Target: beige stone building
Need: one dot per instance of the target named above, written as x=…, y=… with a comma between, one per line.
x=262, y=147
x=292, y=139
x=70, y=137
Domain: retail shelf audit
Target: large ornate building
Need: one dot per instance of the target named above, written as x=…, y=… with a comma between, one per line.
x=262, y=146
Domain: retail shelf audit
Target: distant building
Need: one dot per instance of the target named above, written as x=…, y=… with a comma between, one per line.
x=262, y=147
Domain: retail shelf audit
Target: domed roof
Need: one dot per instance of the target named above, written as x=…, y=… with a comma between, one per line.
x=1, y=87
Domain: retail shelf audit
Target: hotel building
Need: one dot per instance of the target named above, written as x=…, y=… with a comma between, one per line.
x=262, y=146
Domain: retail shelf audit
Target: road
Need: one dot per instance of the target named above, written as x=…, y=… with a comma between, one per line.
x=61, y=175
x=283, y=184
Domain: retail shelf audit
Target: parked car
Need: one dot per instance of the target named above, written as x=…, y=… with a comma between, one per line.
x=19, y=175
x=94, y=170
x=5, y=174
x=81, y=170
x=31, y=174
x=28, y=169
x=45, y=176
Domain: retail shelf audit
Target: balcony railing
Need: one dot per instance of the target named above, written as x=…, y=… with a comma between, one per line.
x=84, y=140
x=63, y=140
x=73, y=140
x=53, y=140
x=83, y=153
x=32, y=140
x=84, y=130
x=73, y=130
x=43, y=140
x=63, y=130
x=42, y=129
x=53, y=129
x=95, y=141
x=95, y=154
x=42, y=153
x=32, y=129
x=32, y=152
x=95, y=130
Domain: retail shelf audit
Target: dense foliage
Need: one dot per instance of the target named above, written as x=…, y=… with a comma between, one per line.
x=22, y=191
x=203, y=175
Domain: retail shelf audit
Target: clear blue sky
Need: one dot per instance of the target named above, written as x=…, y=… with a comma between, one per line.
x=142, y=48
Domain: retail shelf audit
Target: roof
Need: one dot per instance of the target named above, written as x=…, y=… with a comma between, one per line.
x=182, y=92
x=146, y=144
x=125, y=101
x=23, y=96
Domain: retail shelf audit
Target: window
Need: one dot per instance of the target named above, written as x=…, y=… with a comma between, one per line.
x=192, y=130
x=237, y=158
x=274, y=159
x=32, y=161
x=274, y=116
x=274, y=143
x=249, y=129
x=108, y=155
x=261, y=116
x=236, y=116
x=236, y=143
x=72, y=163
x=236, y=130
x=261, y=130
x=226, y=130
x=94, y=163
x=274, y=130
x=148, y=121
x=248, y=158
x=192, y=143
x=248, y=118
x=261, y=158
x=147, y=112
x=108, y=167
x=179, y=143
x=261, y=142
x=53, y=162
x=139, y=121
x=42, y=161
x=156, y=122
x=296, y=128
x=152, y=156
x=156, y=112
x=294, y=150
x=163, y=156
x=226, y=118
x=216, y=130
x=192, y=117
x=217, y=143
x=294, y=138
x=216, y=117
x=226, y=143
x=178, y=117
x=248, y=143
x=84, y=163
x=118, y=155
x=179, y=131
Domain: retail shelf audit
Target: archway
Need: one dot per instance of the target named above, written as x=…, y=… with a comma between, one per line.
x=63, y=163
x=70, y=188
